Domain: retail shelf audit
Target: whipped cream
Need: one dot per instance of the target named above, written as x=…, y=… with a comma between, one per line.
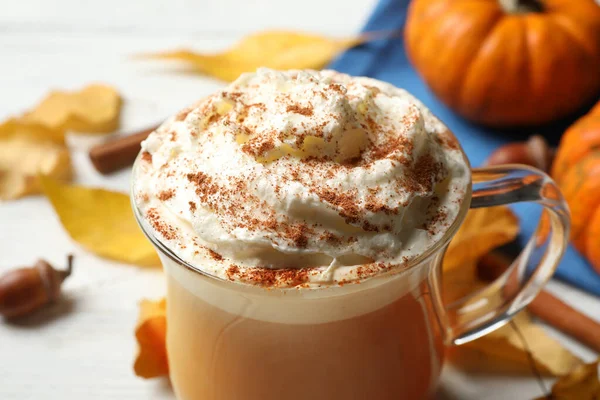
x=301, y=178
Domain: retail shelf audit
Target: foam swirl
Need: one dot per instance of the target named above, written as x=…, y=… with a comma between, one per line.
x=301, y=170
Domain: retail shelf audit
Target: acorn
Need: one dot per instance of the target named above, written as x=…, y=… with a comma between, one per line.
x=534, y=152
x=25, y=290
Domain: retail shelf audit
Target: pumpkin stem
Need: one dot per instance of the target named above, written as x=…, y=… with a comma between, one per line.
x=521, y=6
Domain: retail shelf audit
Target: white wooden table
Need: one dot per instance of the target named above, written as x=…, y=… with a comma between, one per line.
x=83, y=348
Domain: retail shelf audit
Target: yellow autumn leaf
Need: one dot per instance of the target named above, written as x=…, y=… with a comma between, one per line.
x=28, y=150
x=580, y=384
x=150, y=333
x=31, y=130
x=33, y=144
x=503, y=351
x=460, y=282
x=101, y=221
x=274, y=49
x=483, y=230
x=93, y=109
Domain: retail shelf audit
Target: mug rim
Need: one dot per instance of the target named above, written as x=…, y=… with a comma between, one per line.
x=431, y=251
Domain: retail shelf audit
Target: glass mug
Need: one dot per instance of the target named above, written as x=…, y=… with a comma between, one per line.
x=381, y=339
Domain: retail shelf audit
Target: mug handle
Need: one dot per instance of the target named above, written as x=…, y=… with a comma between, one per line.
x=492, y=307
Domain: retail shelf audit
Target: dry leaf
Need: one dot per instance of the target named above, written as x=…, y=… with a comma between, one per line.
x=274, y=49
x=483, y=230
x=459, y=282
x=33, y=145
x=581, y=384
x=30, y=130
x=93, y=109
x=102, y=221
x=28, y=150
x=151, y=332
x=503, y=351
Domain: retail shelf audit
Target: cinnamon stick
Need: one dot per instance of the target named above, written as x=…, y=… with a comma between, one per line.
x=118, y=153
x=546, y=306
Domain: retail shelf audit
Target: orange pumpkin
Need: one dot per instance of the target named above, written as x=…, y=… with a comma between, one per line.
x=576, y=169
x=507, y=62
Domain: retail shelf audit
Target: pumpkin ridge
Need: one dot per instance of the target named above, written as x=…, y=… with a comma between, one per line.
x=579, y=237
x=584, y=197
x=579, y=172
x=589, y=89
x=580, y=182
x=568, y=27
x=469, y=61
x=527, y=56
x=592, y=241
x=465, y=91
x=575, y=143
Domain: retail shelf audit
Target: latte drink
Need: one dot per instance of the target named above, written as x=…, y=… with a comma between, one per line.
x=301, y=217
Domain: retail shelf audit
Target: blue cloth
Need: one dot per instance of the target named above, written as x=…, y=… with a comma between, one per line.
x=386, y=60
